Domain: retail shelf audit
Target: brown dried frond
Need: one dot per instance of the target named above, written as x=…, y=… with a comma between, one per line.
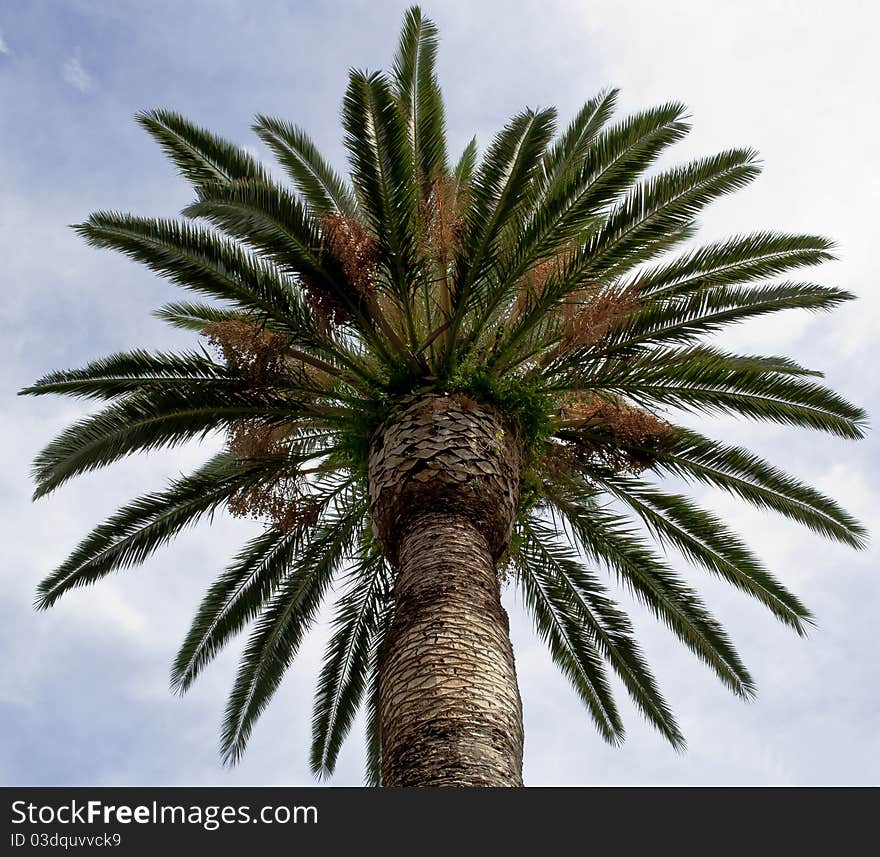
x=536, y=278
x=283, y=499
x=626, y=423
x=256, y=354
x=307, y=375
x=329, y=311
x=532, y=285
x=260, y=358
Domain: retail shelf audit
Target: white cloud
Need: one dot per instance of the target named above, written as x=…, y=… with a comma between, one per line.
x=4, y=48
x=788, y=83
x=74, y=74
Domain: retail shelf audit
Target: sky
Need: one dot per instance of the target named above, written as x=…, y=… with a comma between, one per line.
x=84, y=696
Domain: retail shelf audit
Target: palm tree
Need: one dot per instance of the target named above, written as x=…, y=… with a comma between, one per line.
x=440, y=377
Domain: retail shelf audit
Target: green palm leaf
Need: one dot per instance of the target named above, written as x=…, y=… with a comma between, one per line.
x=150, y=420
x=707, y=311
x=382, y=172
x=279, y=630
x=736, y=260
x=270, y=219
x=556, y=571
x=200, y=155
x=346, y=669
x=373, y=767
x=132, y=371
x=607, y=539
x=567, y=155
x=203, y=262
x=709, y=381
x=694, y=457
x=613, y=160
x=663, y=204
x=189, y=315
x=571, y=648
x=705, y=540
x=132, y=534
x=324, y=191
x=418, y=95
x=465, y=167
x=496, y=193
x=243, y=591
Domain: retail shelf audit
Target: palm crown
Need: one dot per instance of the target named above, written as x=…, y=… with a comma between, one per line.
x=533, y=280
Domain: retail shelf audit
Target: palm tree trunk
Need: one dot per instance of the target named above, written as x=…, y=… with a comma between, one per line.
x=450, y=707
x=444, y=487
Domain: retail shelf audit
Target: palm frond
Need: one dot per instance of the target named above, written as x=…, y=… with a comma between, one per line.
x=277, y=225
x=572, y=649
x=202, y=261
x=704, y=540
x=234, y=599
x=692, y=456
x=132, y=371
x=382, y=173
x=269, y=218
x=464, y=169
x=279, y=630
x=131, y=535
x=613, y=161
x=663, y=204
x=568, y=153
x=418, y=96
x=561, y=577
x=373, y=766
x=707, y=311
x=345, y=673
x=496, y=193
x=151, y=420
x=200, y=155
x=708, y=381
x=244, y=589
x=617, y=156
x=324, y=191
x=607, y=539
x=189, y=315
x=737, y=260
x=499, y=186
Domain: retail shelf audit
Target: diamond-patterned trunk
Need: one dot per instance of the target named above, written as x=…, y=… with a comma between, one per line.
x=444, y=487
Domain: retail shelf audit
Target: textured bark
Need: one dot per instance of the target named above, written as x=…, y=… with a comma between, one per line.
x=444, y=487
x=445, y=454
x=450, y=708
